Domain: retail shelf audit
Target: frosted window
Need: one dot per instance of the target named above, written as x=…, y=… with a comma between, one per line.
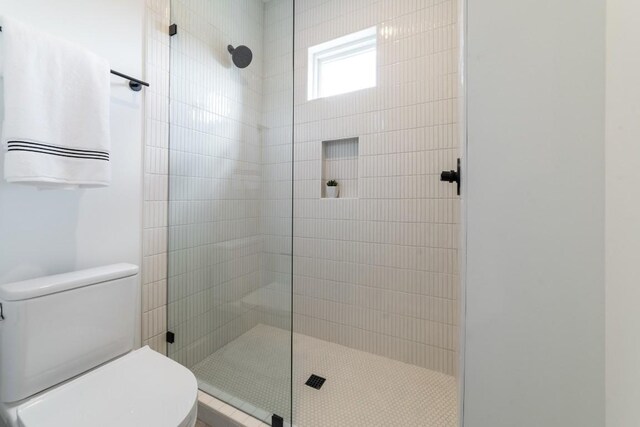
x=343, y=65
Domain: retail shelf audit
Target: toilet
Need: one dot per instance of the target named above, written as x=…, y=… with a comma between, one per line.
x=67, y=356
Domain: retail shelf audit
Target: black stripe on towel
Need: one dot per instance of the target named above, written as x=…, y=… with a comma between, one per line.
x=58, y=154
x=59, y=148
x=52, y=151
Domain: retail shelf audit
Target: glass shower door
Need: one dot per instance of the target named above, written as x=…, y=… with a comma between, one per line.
x=230, y=201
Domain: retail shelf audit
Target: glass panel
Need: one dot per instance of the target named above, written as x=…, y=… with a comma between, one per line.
x=376, y=297
x=230, y=200
x=347, y=74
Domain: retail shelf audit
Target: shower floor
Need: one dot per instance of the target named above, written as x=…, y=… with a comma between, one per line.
x=361, y=389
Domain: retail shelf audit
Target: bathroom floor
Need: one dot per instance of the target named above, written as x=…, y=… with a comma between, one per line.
x=361, y=389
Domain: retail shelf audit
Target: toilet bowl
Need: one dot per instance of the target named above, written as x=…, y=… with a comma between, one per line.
x=67, y=357
x=142, y=388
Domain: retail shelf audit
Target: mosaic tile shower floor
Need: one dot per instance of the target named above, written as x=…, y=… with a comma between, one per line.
x=361, y=389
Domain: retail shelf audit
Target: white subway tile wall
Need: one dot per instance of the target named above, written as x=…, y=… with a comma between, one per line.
x=277, y=148
x=379, y=272
x=156, y=161
x=215, y=184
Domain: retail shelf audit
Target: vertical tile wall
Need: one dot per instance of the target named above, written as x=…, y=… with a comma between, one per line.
x=379, y=272
x=215, y=243
x=216, y=220
x=154, y=264
x=277, y=112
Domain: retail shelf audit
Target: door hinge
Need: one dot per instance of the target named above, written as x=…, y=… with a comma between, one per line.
x=173, y=29
x=171, y=337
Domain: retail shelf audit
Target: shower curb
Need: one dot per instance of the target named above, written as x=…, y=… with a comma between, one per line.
x=217, y=413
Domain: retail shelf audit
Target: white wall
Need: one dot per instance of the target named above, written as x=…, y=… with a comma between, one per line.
x=535, y=209
x=45, y=232
x=623, y=213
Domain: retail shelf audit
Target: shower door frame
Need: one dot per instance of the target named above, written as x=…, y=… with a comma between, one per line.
x=277, y=419
x=462, y=252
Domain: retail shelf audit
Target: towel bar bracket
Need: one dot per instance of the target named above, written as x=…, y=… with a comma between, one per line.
x=134, y=86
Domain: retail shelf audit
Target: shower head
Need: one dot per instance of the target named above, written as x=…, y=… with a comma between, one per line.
x=241, y=56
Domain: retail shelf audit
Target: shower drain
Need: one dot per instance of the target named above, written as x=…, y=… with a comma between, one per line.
x=315, y=381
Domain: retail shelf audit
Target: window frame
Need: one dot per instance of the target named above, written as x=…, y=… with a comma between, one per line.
x=358, y=43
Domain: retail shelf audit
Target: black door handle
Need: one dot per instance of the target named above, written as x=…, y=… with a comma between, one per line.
x=452, y=176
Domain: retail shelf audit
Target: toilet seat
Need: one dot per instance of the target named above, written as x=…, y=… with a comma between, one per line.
x=142, y=388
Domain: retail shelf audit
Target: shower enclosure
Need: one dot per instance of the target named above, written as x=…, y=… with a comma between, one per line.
x=282, y=299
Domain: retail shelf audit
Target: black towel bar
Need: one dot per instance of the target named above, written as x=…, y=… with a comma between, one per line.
x=134, y=84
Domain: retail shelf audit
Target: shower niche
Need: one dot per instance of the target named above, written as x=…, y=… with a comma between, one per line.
x=340, y=163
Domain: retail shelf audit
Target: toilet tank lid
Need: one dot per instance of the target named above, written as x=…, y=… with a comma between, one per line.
x=41, y=286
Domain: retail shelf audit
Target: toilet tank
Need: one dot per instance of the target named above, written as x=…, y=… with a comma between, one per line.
x=59, y=326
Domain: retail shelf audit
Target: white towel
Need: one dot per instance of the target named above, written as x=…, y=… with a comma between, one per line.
x=56, y=104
